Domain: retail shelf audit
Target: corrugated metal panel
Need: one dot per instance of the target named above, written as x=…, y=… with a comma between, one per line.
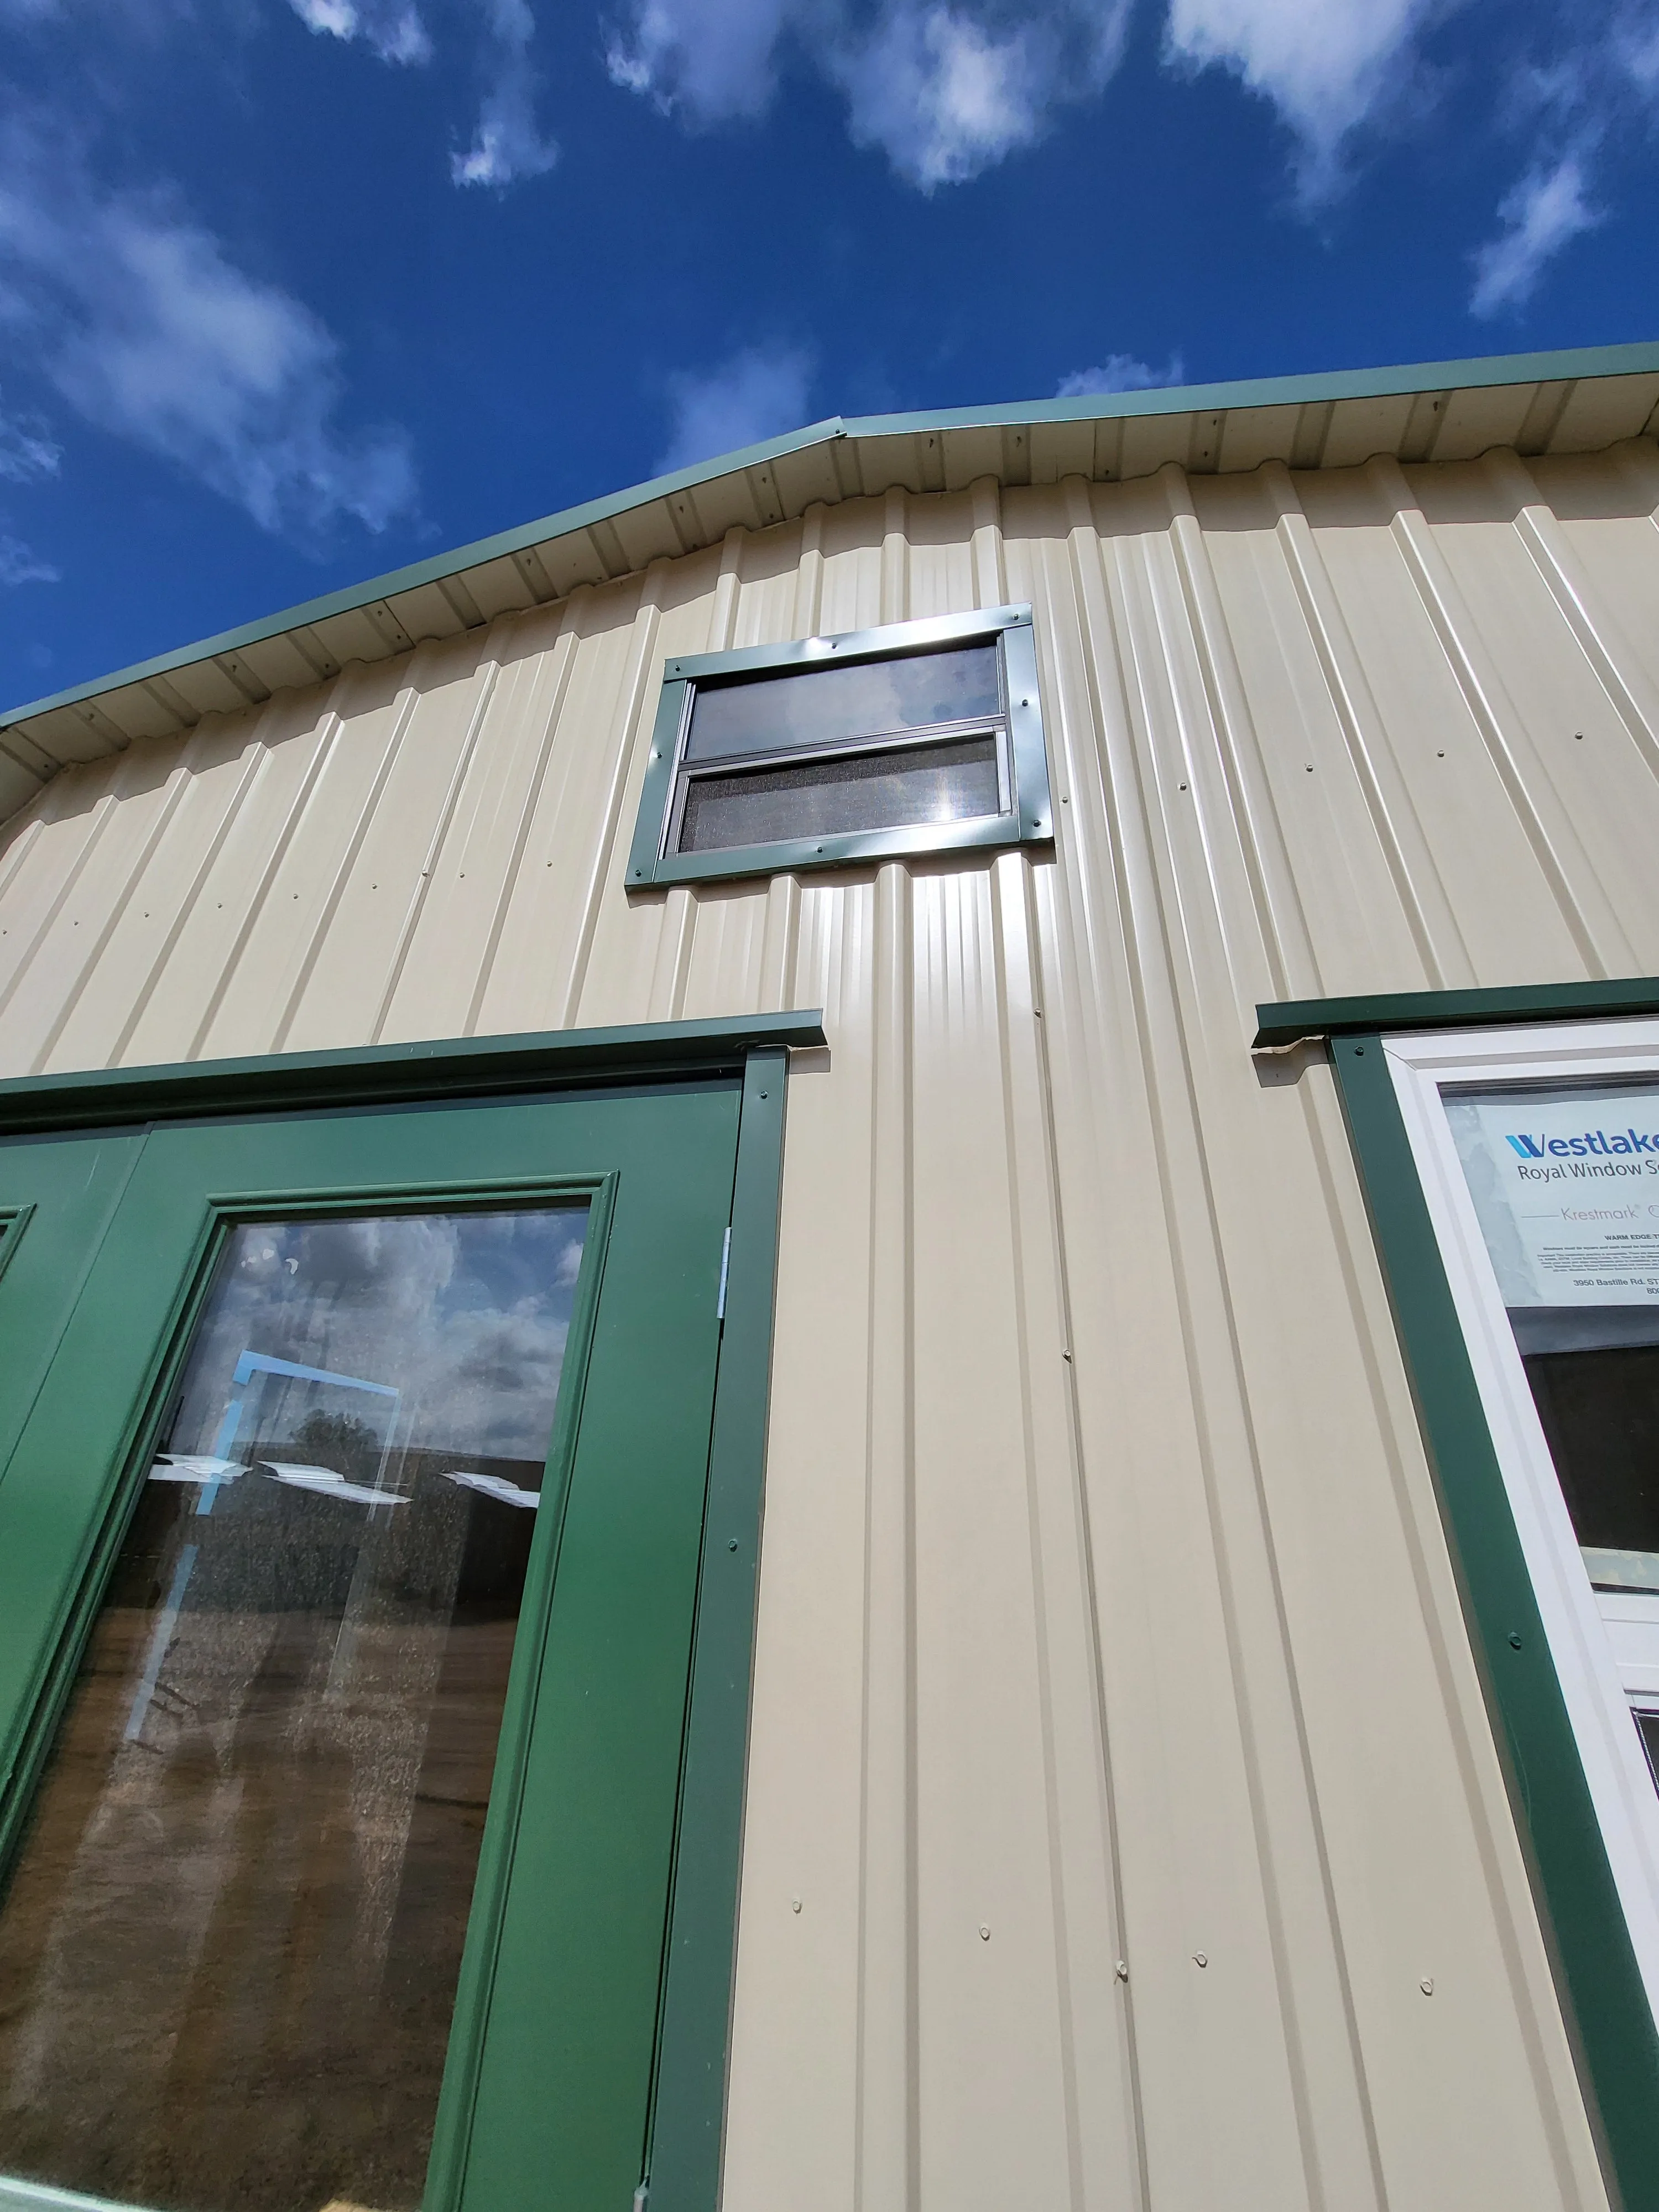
x=1105, y=1615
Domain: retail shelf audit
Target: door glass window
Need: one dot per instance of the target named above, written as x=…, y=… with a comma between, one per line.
x=229, y=1948
x=1564, y=1179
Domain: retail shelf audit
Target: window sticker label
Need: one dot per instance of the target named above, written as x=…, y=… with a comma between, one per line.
x=1567, y=1192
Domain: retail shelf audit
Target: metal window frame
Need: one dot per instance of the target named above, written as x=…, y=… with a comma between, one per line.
x=1597, y=1977
x=1027, y=815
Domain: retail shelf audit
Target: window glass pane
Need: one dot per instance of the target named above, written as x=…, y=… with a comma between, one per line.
x=1565, y=1184
x=953, y=783
x=229, y=1952
x=823, y=706
x=1647, y=1726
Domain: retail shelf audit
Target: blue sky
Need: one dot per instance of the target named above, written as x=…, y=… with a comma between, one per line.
x=293, y=291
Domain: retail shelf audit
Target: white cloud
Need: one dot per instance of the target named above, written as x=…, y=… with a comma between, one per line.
x=1545, y=211
x=26, y=450
x=714, y=59
x=136, y=316
x=1325, y=64
x=21, y=564
x=944, y=97
x=1119, y=372
x=506, y=145
x=757, y=394
x=945, y=89
x=392, y=29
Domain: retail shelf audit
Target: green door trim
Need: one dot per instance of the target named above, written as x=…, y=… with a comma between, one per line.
x=1597, y=1977
x=682, y=2172
x=450, y=1068
x=680, y=2161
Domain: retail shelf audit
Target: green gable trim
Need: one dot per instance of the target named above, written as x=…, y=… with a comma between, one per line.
x=1491, y=370
x=449, y=1067
x=1413, y=377
x=1289, y=1020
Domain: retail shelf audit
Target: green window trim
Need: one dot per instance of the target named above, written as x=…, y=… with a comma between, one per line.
x=683, y=2148
x=1597, y=1977
x=1030, y=821
x=1299, y=1021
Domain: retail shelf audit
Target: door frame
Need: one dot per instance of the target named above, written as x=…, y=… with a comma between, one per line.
x=684, y=2134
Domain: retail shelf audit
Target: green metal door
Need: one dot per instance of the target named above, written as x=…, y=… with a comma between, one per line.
x=120, y=1241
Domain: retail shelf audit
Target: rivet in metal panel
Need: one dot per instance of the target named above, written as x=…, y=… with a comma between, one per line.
x=1427, y=1985
x=1359, y=1048
x=1515, y=1640
x=984, y=1933
x=1201, y=1958
x=733, y=1546
x=794, y=1905
x=1123, y=1970
x=1578, y=736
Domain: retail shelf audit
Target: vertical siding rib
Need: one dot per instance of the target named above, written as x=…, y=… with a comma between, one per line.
x=1423, y=900
x=1602, y=942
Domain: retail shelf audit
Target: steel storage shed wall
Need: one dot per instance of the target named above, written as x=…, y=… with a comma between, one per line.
x=1104, y=1605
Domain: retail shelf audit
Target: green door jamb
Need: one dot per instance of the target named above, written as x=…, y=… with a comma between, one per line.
x=683, y=2172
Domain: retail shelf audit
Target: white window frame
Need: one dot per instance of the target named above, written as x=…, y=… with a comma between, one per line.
x=1599, y=1707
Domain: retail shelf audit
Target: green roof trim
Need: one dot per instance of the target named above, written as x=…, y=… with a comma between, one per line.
x=1640, y=360
x=1637, y=359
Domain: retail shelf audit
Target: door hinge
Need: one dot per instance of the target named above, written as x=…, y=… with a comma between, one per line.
x=719, y=1313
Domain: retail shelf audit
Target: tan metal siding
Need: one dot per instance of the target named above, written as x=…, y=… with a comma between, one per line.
x=1103, y=1603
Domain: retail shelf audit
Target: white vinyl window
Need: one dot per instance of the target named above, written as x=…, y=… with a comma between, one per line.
x=1539, y=1153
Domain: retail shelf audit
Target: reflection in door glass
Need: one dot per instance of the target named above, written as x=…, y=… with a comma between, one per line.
x=228, y=1951
x=1565, y=1184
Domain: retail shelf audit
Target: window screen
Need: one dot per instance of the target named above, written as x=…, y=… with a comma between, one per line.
x=910, y=740
x=914, y=737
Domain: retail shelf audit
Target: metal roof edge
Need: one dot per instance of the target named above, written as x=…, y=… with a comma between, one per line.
x=1576, y=363
x=1632, y=360
x=431, y=571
